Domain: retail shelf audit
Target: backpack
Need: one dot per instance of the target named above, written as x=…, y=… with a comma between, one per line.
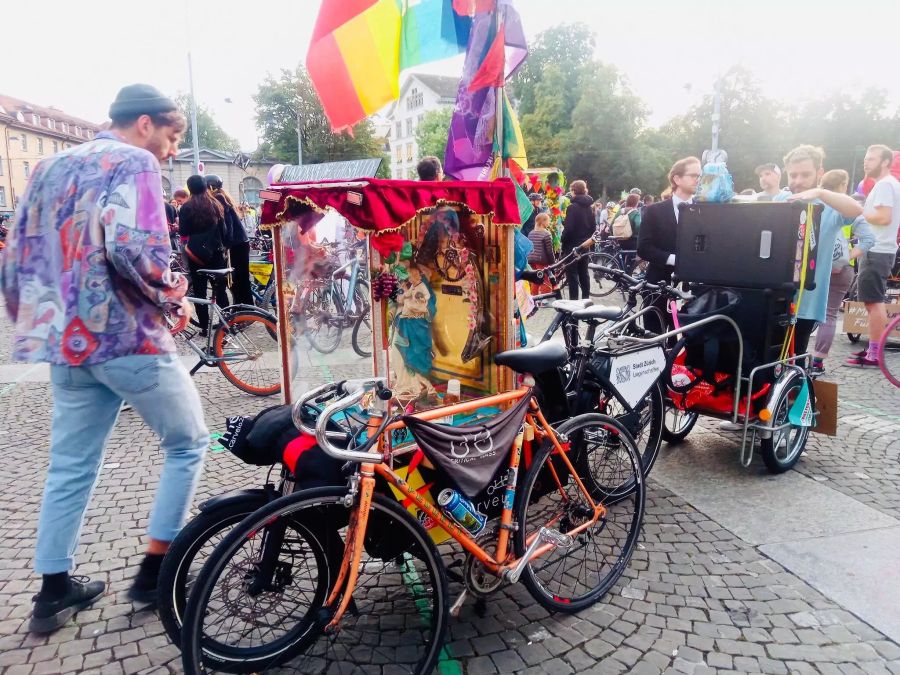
x=621, y=227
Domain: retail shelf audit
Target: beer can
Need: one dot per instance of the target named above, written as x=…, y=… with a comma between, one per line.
x=462, y=511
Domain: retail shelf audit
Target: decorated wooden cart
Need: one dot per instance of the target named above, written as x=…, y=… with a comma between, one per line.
x=430, y=274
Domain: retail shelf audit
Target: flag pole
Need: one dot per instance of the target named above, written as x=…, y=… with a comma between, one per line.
x=499, y=94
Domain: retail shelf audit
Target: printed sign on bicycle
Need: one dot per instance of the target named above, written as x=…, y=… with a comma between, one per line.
x=634, y=373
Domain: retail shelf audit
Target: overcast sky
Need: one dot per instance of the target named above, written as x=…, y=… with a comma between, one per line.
x=75, y=54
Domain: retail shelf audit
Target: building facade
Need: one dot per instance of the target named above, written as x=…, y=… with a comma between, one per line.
x=242, y=184
x=418, y=95
x=28, y=133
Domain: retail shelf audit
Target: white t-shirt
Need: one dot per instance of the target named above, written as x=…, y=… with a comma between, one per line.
x=885, y=193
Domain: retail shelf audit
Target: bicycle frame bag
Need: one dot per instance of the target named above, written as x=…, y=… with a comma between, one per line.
x=469, y=456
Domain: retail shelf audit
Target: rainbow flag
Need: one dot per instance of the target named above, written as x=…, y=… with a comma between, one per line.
x=359, y=47
x=431, y=30
x=354, y=58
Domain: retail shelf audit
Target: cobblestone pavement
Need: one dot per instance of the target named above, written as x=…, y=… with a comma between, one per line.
x=695, y=599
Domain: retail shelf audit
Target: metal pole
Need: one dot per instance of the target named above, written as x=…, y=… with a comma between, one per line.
x=717, y=96
x=499, y=100
x=194, y=117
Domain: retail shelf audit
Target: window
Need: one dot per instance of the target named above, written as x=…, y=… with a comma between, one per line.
x=419, y=119
x=27, y=169
x=398, y=155
x=35, y=120
x=409, y=152
x=399, y=129
x=55, y=147
x=78, y=131
x=412, y=174
x=2, y=196
x=65, y=127
x=415, y=100
x=40, y=146
x=51, y=124
x=24, y=142
x=250, y=188
x=409, y=127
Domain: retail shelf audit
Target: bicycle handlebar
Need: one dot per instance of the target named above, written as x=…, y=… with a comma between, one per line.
x=354, y=391
x=637, y=285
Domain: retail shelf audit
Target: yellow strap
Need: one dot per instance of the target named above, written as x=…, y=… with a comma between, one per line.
x=785, y=347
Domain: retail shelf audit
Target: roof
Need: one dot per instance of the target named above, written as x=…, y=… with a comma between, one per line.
x=443, y=86
x=11, y=106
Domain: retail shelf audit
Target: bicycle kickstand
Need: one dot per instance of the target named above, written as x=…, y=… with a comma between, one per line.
x=199, y=365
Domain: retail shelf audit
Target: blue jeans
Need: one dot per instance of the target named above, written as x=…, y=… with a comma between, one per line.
x=86, y=403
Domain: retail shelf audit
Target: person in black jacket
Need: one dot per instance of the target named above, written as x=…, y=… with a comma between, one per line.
x=659, y=225
x=578, y=227
x=202, y=219
x=236, y=241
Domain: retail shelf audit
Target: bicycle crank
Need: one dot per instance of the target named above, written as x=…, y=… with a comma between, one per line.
x=546, y=535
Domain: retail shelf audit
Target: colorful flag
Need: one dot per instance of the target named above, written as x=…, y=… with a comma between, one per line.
x=431, y=30
x=490, y=53
x=354, y=58
x=359, y=47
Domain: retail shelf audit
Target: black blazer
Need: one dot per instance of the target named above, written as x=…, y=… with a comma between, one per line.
x=657, y=238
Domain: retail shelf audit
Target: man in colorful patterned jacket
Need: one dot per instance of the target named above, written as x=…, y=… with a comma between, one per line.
x=86, y=281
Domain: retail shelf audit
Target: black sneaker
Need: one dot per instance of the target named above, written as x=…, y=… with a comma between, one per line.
x=143, y=588
x=50, y=615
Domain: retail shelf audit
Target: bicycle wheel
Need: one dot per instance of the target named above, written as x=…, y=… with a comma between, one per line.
x=362, y=336
x=890, y=353
x=644, y=423
x=603, y=285
x=568, y=579
x=320, y=321
x=248, y=343
x=782, y=449
x=397, y=618
x=677, y=424
x=189, y=551
x=256, y=599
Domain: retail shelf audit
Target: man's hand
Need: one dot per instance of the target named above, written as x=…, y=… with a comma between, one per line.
x=856, y=253
x=806, y=195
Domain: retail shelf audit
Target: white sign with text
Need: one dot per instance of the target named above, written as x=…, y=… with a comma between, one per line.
x=633, y=374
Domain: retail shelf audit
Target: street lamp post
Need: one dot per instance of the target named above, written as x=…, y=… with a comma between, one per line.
x=194, y=117
x=299, y=137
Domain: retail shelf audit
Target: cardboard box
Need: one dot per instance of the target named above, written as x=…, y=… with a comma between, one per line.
x=856, y=319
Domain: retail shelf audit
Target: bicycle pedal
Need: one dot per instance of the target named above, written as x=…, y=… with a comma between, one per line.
x=550, y=536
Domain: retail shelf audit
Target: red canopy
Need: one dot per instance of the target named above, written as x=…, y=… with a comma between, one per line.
x=378, y=205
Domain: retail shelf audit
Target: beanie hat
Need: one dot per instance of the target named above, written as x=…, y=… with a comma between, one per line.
x=140, y=99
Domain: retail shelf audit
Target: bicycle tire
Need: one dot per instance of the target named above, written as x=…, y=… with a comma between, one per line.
x=362, y=331
x=204, y=651
x=646, y=428
x=317, y=309
x=627, y=492
x=796, y=436
x=677, y=424
x=324, y=506
x=255, y=335
x=612, y=289
x=203, y=529
x=890, y=358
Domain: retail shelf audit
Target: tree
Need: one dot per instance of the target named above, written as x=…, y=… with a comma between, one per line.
x=209, y=134
x=432, y=132
x=283, y=102
x=565, y=48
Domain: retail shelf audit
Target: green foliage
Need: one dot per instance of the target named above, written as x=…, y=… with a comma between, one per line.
x=209, y=134
x=278, y=101
x=432, y=132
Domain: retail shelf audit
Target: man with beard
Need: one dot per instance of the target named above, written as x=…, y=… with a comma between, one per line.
x=882, y=212
x=804, y=166
x=86, y=281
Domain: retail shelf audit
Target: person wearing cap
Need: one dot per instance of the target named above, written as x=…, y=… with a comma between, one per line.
x=769, y=182
x=86, y=283
x=537, y=202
